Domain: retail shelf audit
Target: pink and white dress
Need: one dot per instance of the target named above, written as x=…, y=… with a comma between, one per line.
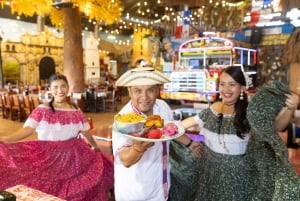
x=58, y=163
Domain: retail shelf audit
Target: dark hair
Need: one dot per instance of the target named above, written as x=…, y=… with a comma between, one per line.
x=55, y=77
x=240, y=120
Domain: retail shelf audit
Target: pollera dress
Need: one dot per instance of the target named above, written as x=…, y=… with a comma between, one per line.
x=58, y=163
x=225, y=170
x=184, y=173
x=276, y=179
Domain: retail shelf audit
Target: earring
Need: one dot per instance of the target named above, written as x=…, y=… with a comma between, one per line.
x=220, y=97
x=242, y=95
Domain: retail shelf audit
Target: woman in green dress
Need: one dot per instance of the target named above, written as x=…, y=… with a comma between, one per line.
x=270, y=111
x=225, y=171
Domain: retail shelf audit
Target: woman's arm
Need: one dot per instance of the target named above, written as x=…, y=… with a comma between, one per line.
x=19, y=134
x=286, y=114
x=186, y=123
x=195, y=147
x=89, y=137
x=189, y=122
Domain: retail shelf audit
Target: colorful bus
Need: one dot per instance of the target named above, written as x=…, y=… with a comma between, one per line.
x=200, y=61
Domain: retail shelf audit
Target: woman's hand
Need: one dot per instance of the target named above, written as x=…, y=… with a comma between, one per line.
x=286, y=114
x=196, y=148
x=292, y=101
x=88, y=136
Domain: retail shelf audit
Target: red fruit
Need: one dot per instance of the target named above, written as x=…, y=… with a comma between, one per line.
x=155, y=133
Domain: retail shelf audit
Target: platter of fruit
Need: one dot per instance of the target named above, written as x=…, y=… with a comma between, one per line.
x=154, y=129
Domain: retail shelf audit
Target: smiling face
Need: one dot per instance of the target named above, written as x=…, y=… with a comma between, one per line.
x=229, y=89
x=59, y=90
x=144, y=97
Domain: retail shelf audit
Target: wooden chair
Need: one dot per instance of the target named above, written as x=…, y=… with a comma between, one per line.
x=7, y=106
x=2, y=106
x=100, y=100
x=35, y=101
x=27, y=106
x=111, y=101
x=119, y=92
x=90, y=102
x=16, y=108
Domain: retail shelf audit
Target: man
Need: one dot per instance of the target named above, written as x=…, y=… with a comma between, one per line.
x=142, y=170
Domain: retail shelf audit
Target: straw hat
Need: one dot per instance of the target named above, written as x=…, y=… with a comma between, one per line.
x=142, y=76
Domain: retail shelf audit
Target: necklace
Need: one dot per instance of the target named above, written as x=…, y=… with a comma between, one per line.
x=224, y=125
x=60, y=104
x=224, y=129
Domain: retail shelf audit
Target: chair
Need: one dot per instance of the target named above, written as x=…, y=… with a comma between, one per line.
x=27, y=106
x=7, y=105
x=100, y=100
x=119, y=92
x=16, y=107
x=90, y=101
x=35, y=101
x=2, y=106
x=111, y=101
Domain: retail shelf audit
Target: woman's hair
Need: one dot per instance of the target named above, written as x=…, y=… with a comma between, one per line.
x=291, y=51
x=55, y=77
x=240, y=121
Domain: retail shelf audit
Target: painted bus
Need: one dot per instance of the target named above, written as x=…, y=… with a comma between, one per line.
x=200, y=61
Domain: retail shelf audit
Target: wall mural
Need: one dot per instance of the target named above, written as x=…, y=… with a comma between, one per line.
x=11, y=70
x=33, y=59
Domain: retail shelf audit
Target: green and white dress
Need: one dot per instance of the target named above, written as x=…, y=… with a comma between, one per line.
x=225, y=172
x=276, y=179
x=184, y=173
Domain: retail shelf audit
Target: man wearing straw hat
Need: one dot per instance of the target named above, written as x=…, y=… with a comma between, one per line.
x=142, y=170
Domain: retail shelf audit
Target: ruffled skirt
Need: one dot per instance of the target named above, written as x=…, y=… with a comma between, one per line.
x=70, y=169
x=225, y=177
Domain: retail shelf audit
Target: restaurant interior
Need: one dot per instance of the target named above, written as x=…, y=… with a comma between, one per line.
x=110, y=47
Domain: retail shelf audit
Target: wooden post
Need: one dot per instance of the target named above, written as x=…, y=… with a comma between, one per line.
x=73, y=50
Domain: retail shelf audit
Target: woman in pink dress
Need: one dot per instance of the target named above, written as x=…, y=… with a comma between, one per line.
x=59, y=163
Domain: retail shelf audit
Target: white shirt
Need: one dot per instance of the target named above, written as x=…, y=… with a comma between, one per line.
x=223, y=143
x=142, y=181
x=63, y=124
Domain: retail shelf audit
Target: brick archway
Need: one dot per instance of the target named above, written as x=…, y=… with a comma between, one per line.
x=46, y=69
x=11, y=70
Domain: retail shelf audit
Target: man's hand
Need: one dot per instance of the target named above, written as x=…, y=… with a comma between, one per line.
x=141, y=146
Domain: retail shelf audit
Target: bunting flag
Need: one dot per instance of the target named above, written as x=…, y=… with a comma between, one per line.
x=260, y=10
x=183, y=24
